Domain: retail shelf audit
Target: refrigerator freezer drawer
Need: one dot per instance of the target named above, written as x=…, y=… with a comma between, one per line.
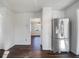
x=61, y=45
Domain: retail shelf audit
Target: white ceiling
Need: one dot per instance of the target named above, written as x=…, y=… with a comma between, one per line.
x=36, y=5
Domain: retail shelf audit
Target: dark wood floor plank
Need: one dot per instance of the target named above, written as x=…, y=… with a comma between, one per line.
x=1, y=53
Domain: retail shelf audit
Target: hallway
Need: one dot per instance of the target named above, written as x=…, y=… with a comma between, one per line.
x=36, y=43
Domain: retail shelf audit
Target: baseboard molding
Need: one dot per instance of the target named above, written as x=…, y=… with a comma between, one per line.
x=20, y=46
x=8, y=47
x=46, y=50
x=72, y=53
x=27, y=43
x=23, y=45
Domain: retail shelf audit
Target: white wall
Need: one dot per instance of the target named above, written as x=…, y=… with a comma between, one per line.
x=15, y=28
x=2, y=15
x=7, y=28
x=58, y=13
x=71, y=12
x=22, y=29
x=37, y=14
x=78, y=32
x=47, y=15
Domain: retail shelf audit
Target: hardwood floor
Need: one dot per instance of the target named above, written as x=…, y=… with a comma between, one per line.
x=36, y=43
x=35, y=52
x=1, y=52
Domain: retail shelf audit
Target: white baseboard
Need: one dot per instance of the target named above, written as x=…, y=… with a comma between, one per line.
x=6, y=48
x=74, y=52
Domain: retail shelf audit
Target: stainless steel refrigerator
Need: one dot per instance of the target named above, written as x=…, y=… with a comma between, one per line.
x=60, y=28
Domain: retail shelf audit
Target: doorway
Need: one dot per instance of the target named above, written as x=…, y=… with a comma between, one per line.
x=36, y=34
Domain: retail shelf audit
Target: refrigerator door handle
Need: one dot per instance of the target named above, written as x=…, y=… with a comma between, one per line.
x=57, y=31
